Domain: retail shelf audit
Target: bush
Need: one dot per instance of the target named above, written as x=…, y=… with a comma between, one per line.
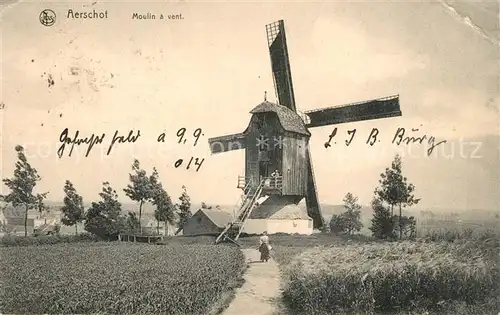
x=348, y=221
x=388, y=277
x=10, y=240
x=382, y=222
x=337, y=224
x=118, y=279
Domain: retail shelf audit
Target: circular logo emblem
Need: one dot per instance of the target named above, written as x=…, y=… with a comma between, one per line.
x=47, y=17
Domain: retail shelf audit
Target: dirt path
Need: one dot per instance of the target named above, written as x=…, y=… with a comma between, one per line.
x=260, y=293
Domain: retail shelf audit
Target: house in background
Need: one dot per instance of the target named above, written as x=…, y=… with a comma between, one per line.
x=45, y=229
x=207, y=222
x=70, y=230
x=277, y=218
x=15, y=225
x=151, y=226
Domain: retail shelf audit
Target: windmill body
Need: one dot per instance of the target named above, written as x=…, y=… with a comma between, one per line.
x=278, y=159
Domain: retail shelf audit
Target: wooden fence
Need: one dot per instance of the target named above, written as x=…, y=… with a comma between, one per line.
x=140, y=238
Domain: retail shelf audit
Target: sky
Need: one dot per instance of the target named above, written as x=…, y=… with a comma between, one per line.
x=210, y=68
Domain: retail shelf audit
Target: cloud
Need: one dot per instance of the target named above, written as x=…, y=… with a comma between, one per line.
x=451, y=111
x=345, y=48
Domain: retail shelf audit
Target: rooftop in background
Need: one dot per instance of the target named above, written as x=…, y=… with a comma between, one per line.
x=219, y=217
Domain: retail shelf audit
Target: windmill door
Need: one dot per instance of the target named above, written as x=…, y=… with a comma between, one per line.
x=264, y=169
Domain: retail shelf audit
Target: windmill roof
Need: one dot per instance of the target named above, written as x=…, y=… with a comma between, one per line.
x=219, y=217
x=289, y=119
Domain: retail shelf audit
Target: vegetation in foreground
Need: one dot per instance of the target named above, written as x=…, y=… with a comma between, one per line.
x=9, y=240
x=111, y=278
x=325, y=274
x=347, y=273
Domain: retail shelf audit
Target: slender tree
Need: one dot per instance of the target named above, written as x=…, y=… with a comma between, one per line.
x=164, y=207
x=73, y=209
x=140, y=187
x=350, y=220
x=395, y=190
x=22, y=185
x=164, y=211
x=184, y=212
x=352, y=214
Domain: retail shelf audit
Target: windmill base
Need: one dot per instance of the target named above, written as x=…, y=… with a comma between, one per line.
x=277, y=226
x=279, y=214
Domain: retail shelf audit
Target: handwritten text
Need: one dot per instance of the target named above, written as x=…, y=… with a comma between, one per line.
x=400, y=137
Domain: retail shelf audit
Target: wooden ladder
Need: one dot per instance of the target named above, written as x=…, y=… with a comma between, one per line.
x=249, y=198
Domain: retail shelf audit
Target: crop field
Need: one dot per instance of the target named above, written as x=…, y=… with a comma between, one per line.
x=111, y=278
x=325, y=274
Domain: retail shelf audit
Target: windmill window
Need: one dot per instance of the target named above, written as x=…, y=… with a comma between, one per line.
x=263, y=143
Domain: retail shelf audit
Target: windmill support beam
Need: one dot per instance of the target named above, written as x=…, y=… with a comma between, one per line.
x=227, y=143
x=312, y=202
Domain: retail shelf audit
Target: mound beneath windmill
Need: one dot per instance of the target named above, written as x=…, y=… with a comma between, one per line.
x=278, y=214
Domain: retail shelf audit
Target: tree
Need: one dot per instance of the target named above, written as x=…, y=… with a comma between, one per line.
x=140, y=189
x=395, y=190
x=133, y=224
x=184, y=212
x=164, y=211
x=350, y=220
x=408, y=226
x=352, y=214
x=382, y=222
x=22, y=185
x=73, y=210
x=205, y=206
x=104, y=218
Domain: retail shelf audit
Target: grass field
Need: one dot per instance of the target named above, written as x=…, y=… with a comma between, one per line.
x=324, y=274
x=447, y=273
x=113, y=278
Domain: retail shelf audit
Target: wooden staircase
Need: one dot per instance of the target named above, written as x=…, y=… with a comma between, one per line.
x=246, y=204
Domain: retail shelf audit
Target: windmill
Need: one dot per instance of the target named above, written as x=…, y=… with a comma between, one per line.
x=277, y=156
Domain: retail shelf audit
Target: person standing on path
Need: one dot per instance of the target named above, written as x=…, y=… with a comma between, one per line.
x=264, y=247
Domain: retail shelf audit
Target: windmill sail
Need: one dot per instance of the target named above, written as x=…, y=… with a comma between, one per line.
x=367, y=110
x=280, y=64
x=227, y=143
